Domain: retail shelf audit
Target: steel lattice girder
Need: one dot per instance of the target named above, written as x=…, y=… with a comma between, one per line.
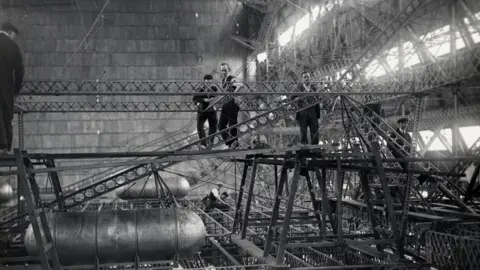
x=430, y=119
x=180, y=88
x=421, y=79
x=119, y=106
x=139, y=172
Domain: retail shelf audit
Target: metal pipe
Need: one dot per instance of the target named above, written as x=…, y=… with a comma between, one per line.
x=119, y=236
x=147, y=189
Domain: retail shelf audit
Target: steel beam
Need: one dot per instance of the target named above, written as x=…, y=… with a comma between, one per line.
x=238, y=208
x=249, y=200
x=276, y=209
x=366, y=198
x=56, y=185
x=223, y=251
x=288, y=214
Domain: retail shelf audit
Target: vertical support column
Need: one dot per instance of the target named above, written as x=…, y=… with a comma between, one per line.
x=453, y=33
x=471, y=185
x=366, y=198
x=276, y=208
x=249, y=200
x=57, y=188
x=377, y=162
x=325, y=203
x=21, y=135
x=339, y=193
x=401, y=51
x=45, y=248
x=275, y=172
x=314, y=201
x=455, y=130
x=326, y=209
x=267, y=62
x=238, y=208
x=288, y=213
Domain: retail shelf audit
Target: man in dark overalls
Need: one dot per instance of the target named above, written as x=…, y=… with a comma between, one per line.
x=307, y=118
x=229, y=114
x=11, y=78
x=205, y=113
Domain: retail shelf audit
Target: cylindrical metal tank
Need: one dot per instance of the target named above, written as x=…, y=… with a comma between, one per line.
x=6, y=192
x=179, y=186
x=117, y=236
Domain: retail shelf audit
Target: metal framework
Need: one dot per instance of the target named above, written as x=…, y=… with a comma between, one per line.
x=358, y=207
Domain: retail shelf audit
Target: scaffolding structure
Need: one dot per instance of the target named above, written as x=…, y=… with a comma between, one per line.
x=350, y=204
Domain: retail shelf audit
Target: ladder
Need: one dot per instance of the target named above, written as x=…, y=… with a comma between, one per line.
x=46, y=249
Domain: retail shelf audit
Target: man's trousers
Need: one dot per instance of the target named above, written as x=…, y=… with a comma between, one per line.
x=6, y=131
x=307, y=120
x=202, y=117
x=228, y=118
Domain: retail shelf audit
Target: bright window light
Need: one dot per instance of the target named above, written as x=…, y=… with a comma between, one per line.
x=302, y=25
x=437, y=145
x=470, y=134
x=315, y=13
x=392, y=58
x=459, y=43
x=411, y=57
x=262, y=56
x=438, y=41
x=323, y=11
x=284, y=38
x=473, y=32
x=374, y=70
x=447, y=133
x=418, y=145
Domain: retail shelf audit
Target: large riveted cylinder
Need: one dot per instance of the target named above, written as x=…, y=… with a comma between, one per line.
x=179, y=187
x=118, y=236
x=6, y=192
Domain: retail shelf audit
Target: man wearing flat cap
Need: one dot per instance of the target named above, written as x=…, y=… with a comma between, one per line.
x=397, y=146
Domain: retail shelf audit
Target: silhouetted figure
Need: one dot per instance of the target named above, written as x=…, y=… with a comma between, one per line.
x=308, y=117
x=399, y=149
x=204, y=113
x=11, y=78
x=229, y=114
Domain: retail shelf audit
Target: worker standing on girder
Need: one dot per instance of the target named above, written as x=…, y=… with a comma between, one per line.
x=397, y=146
x=229, y=114
x=205, y=112
x=307, y=118
x=11, y=78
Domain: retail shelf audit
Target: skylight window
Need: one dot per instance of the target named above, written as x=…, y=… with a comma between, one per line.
x=411, y=56
x=470, y=134
x=471, y=29
x=262, y=56
x=438, y=41
x=284, y=38
x=392, y=58
x=315, y=12
x=302, y=25
x=437, y=145
x=374, y=70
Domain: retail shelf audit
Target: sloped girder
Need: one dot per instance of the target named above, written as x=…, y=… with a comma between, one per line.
x=259, y=5
x=248, y=43
x=379, y=43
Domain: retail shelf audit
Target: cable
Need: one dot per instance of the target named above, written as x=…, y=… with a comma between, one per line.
x=100, y=15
